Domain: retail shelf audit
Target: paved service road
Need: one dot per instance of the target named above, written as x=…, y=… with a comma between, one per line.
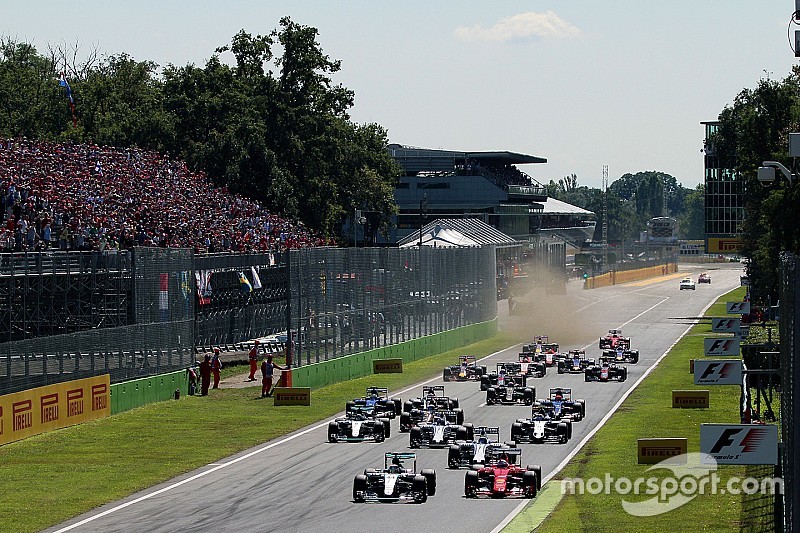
x=303, y=483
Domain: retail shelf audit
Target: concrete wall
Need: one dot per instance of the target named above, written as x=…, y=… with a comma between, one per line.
x=614, y=278
x=138, y=392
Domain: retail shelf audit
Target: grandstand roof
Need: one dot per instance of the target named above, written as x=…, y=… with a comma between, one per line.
x=476, y=232
x=557, y=207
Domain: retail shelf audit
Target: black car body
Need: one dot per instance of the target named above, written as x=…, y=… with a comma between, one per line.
x=442, y=431
x=485, y=448
x=377, y=403
x=394, y=482
x=467, y=369
x=575, y=362
x=560, y=405
x=622, y=355
x=509, y=368
x=606, y=371
x=358, y=426
x=510, y=390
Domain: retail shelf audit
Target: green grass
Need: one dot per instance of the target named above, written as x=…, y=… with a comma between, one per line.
x=647, y=412
x=49, y=478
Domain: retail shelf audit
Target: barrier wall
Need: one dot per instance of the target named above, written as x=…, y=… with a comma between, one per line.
x=138, y=392
x=360, y=364
x=615, y=278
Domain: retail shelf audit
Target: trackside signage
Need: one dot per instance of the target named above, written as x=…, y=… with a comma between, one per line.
x=740, y=444
x=718, y=372
x=719, y=347
x=652, y=451
x=387, y=366
x=34, y=411
x=697, y=399
x=292, y=395
x=726, y=325
x=737, y=308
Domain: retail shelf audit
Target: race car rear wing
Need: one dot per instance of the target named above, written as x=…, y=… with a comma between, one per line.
x=470, y=359
x=381, y=392
x=483, y=431
x=401, y=456
x=566, y=393
x=433, y=390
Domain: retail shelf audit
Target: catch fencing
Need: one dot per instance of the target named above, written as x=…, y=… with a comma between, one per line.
x=790, y=397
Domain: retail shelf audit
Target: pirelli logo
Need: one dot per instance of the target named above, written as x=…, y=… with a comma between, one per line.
x=74, y=402
x=99, y=397
x=22, y=414
x=48, y=408
x=387, y=366
x=690, y=399
x=717, y=245
x=652, y=451
x=293, y=396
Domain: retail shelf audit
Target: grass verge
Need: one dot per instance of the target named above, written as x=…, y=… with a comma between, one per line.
x=49, y=478
x=646, y=413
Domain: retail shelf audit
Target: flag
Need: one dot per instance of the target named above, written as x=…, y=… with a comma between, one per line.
x=64, y=83
x=244, y=284
x=256, y=279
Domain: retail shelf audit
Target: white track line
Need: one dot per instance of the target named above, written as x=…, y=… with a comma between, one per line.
x=602, y=422
x=229, y=463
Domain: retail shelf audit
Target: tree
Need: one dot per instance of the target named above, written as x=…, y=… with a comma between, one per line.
x=691, y=222
x=754, y=129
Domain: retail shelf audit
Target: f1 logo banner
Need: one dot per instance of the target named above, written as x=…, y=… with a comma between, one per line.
x=737, y=308
x=726, y=325
x=717, y=347
x=740, y=444
x=718, y=372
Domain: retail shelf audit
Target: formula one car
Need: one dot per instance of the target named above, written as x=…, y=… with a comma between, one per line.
x=541, y=427
x=575, y=362
x=621, y=355
x=425, y=415
x=431, y=395
x=376, y=402
x=484, y=448
x=441, y=431
x=504, y=479
x=540, y=344
x=606, y=371
x=510, y=390
x=561, y=405
x=508, y=368
x=467, y=369
x=530, y=367
x=395, y=482
x=358, y=426
x=614, y=339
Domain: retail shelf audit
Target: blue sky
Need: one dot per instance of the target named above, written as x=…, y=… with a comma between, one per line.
x=583, y=84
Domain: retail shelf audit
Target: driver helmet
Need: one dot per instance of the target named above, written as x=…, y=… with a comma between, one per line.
x=502, y=463
x=483, y=440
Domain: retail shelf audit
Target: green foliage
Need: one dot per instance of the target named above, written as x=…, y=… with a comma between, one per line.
x=274, y=127
x=755, y=129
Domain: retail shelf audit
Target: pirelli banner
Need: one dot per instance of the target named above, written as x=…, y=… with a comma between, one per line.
x=292, y=395
x=691, y=399
x=724, y=245
x=28, y=413
x=387, y=366
x=652, y=451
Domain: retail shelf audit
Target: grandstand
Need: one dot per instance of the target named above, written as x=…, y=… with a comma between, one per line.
x=85, y=197
x=483, y=185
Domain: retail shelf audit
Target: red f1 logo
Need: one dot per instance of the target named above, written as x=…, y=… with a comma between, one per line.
x=749, y=442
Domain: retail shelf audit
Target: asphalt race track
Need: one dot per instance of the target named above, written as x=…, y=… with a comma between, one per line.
x=303, y=483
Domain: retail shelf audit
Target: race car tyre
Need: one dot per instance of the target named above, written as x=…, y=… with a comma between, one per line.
x=624, y=374
x=387, y=427
x=408, y=406
x=530, y=483
x=470, y=482
x=459, y=416
x=418, y=485
x=470, y=431
x=447, y=374
x=581, y=408
x=529, y=394
x=454, y=403
x=430, y=475
x=349, y=406
x=635, y=357
x=405, y=422
x=379, y=430
x=454, y=456
x=415, y=438
x=490, y=396
x=516, y=431
x=482, y=370
x=538, y=470
x=398, y=407
x=484, y=383
x=561, y=431
x=462, y=433
x=569, y=428
x=586, y=376
x=333, y=430
x=359, y=488
x=560, y=368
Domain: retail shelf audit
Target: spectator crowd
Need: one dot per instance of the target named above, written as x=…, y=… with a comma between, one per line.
x=84, y=197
